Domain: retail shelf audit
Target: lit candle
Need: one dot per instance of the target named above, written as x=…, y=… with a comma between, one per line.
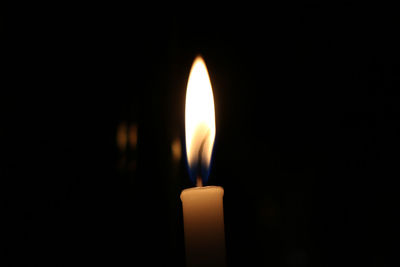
x=202, y=205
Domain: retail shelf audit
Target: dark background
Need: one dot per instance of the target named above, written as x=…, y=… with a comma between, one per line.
x=307, y=144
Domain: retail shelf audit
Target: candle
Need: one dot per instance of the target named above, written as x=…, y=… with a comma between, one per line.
x=204, y=226
x=203, y=216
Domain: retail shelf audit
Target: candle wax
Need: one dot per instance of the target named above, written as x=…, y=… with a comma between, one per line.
x=204, y=226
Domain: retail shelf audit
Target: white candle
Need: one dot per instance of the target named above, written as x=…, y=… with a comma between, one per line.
x=202, y=206
x=204, y=226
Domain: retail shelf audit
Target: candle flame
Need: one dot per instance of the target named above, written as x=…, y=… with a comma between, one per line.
x=199, y=121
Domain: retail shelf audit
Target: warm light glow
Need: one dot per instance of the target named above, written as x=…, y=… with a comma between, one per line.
x=133, y=135
x=122, y=138
x=199, y=116
x=176, y=149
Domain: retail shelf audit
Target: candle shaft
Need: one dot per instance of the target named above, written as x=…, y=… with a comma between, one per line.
x=204, y=226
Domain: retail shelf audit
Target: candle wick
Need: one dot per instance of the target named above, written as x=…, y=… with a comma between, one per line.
x=199, y=181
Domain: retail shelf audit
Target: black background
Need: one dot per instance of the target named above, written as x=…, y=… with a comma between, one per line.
x=307, y=119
